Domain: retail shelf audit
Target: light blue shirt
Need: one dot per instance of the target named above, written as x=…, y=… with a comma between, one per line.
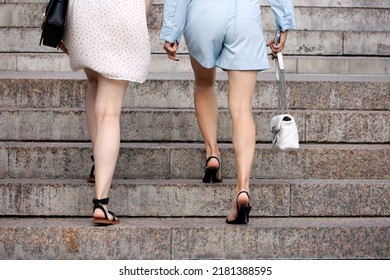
x=175, y=12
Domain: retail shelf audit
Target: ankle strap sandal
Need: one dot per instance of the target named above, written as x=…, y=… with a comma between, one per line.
x=98, y=204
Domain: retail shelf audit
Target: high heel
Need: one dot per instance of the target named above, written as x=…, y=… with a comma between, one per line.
x=91, y=178
x=243, y=211
x=210, y=173
x=97, y=204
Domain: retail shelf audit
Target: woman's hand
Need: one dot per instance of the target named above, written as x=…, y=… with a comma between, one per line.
x=63, y=48
x=148, y=6
x=280, y=47
x=171, y=49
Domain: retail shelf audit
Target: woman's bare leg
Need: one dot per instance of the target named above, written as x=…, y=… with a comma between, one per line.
x=206, y=109
x=241, y=90
x=90, y=100
x=108, y=106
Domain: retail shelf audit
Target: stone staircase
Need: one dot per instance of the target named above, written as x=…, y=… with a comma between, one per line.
x=329, y=200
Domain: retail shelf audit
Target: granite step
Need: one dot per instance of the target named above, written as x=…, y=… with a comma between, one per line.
x=180, y=125
x=294, y=64
x=359, y=17
x=44, y=90
x=300, y=42
x=186, y=160
x=192, y=198
x=59, y=98
x=195, y=238
x=337, y=37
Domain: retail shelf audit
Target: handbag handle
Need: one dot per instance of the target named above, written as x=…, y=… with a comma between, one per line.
x=280, y=79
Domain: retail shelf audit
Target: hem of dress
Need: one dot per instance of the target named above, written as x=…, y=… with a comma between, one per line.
x=141, y=81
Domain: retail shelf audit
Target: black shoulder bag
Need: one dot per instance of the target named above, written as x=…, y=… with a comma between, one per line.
x=54, y=20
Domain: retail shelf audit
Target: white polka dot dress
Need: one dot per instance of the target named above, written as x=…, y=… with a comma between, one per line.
x=110, y=37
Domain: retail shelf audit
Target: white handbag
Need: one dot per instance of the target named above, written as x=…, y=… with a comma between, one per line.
x=283, y=126
x=285, y=133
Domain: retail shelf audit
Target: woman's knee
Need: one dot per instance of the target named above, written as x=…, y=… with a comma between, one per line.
x=204, y=84
x=240, y=110
x=204, y=79
x=105, y=112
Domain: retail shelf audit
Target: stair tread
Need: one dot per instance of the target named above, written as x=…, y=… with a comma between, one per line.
x=196, y=145
x=69, y=75
x=195, y=238
x=193, y=222
x=176, y=181
x=65, y=110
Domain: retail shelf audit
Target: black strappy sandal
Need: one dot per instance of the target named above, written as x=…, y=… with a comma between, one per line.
x=243, y=212
x=97, y=204
x=91, y=178
x=210, y=173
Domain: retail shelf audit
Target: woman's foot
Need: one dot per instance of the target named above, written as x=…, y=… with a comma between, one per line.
x=101, y=214
x=212, y=170
x=239, y=213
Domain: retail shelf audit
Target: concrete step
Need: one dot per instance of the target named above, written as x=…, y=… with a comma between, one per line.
x=186, y=160
x=195, y=238
x=44, y=90
x=180, y=125
x=161, y=64
x=192, y=198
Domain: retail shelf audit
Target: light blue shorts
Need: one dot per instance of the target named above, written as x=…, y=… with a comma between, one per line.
x=227, y=34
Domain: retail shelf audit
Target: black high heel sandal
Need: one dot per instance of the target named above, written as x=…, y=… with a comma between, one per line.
x=243, y=212
x=210, y=173
x=91, y=178
x=97, y=204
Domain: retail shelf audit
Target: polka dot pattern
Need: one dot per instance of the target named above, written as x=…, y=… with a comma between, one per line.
x=111, y=37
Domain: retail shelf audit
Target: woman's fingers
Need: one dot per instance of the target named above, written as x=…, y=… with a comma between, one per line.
x=171, y=49
x=275, y=48
x=63, y=48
